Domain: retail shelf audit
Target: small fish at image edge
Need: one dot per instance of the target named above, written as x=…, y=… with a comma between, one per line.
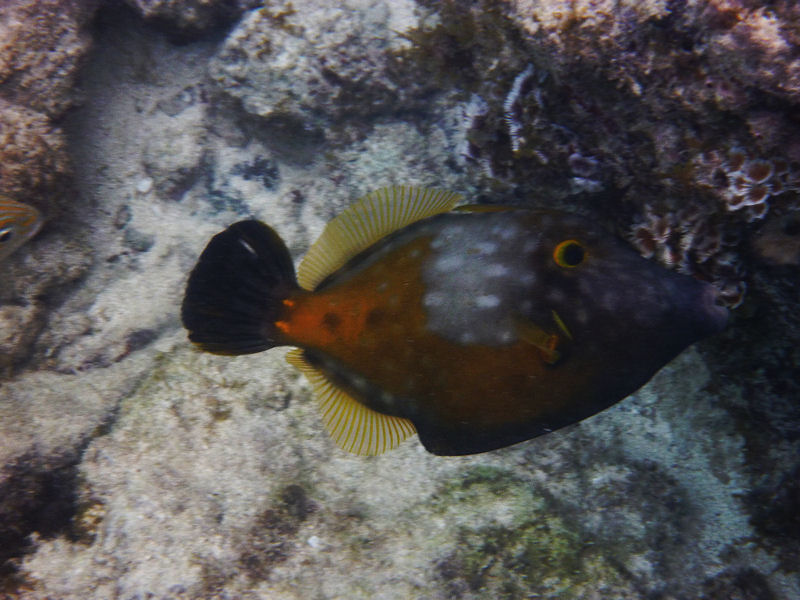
x=18, y=223
x=476, y=327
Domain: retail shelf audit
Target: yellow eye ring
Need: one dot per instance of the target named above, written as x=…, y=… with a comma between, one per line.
x=569, y=254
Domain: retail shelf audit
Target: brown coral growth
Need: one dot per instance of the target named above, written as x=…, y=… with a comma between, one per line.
x=33, y=155
x=42, y=45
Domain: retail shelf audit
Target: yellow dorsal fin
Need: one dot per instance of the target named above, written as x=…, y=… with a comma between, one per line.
x=365, y=222
x=354, y=427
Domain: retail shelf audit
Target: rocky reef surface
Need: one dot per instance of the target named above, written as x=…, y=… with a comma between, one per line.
x=132, y=466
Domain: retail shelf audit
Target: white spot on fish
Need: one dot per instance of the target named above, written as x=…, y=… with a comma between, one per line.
x=434, y=299
x=485, y=247
x=247, y=247
x=496, y=270
x=527, y=279
x=509, y=233
x=358, y=382
x=506, y=336
x=452, y=230
x=505, y=232
x=382, y=287
x=415, y=253
x=449, y=262
x=487, y=301
x=467, y=337
x=556, y=296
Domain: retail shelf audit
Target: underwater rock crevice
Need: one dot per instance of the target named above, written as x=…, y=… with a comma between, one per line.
x=38, y=495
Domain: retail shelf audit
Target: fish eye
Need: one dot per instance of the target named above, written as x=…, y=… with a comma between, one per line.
x=6, y=235
x=569, y=254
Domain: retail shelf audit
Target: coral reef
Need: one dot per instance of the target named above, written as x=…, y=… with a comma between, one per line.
x=778, y=242
x=252, y=498
x=670, y=124
x=744, y=584
x=33, y=157
x=743, y=182
x=38, y=464
x=187, y=19
x=692, y=241
x=309, y=65
x=42, y=45
x=132, y=466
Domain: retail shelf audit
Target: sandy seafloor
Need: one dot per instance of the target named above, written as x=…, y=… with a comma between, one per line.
x=209, y=477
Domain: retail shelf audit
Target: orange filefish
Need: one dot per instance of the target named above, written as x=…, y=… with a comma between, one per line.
x=18, y=223
x=476, y=327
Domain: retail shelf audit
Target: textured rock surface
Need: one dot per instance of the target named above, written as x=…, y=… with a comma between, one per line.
x=136, y=467
x=47, y=420
x=33, y=157
x=34, y=285
x=315, y=64
x=191, y=17
x=247, y=495
x=42, y=44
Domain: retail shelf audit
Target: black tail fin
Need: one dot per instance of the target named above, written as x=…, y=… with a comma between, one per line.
x=235, y=292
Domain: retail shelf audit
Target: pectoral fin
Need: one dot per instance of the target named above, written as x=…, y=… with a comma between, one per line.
x=551, y=345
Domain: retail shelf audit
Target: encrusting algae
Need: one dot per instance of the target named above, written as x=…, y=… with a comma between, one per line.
x=477, y=327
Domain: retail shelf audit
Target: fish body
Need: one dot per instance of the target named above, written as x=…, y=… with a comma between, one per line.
x=18, y=223
x=475, y=328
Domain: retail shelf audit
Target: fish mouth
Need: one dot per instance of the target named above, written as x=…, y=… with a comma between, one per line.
x=714, y=308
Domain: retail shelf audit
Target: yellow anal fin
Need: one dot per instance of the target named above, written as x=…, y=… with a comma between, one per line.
x=546, y=343
x=353, y=426
x=374, y=216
